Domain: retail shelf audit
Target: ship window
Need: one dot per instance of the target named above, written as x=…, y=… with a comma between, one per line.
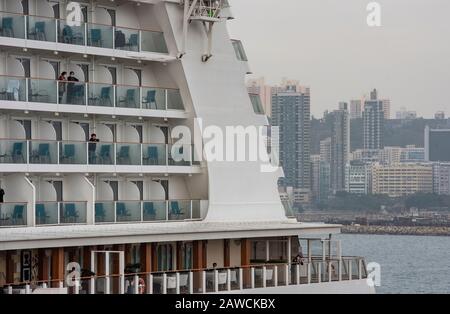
x=165, y=257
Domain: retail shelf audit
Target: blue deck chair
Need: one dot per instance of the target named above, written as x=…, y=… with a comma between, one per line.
x=149, y=211
x=41, y=214
x=96, y=37
x=105, y=154
x=70, y=213
x=123, y=156
x=18, y=215
x=17, y=152
x=152, y=155
x=99, y=212
x=150, y=99
x=69, y=153
x=121, y=211
x=7, y=27
x=44, y=153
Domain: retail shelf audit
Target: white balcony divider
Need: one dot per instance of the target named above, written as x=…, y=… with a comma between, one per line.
x=275, y=276
x=350, y=273
x=177, y=277
x=319, y=272
x=264, y=275
x=191, y=283
x=149, y=283
x=204, y=281
x=216, y=280
x=228, y=279
x=241, y=281
x=360, y=268
x=164, y=284
x=136, y=284
x=252, y=277
x=297, y=272
x=308, y=271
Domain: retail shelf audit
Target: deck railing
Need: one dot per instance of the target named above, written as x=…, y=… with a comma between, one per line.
x=20, y=151
x=201, y=281
x=49, y=29
x=48, y=91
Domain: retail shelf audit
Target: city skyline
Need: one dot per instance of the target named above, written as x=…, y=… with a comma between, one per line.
x=409, y=67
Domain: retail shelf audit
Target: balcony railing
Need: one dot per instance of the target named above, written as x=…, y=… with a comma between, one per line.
x=201, y=281
x=256, y=103
x=85, y=34
x=88, y=93
x=146, y=211
x=13, y=214
x=60, y=213
x=94, y=153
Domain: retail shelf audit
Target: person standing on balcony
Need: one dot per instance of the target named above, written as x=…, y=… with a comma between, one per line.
x=71, y=88
x=2, y=195
x=62, y=85
x=92, y=147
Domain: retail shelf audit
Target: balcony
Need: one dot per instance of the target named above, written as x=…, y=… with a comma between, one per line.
x=60, y=213
x=146, y=211
x=48, y=29
x=47, y=91
x=13, y=214
x=94, y=153
x=262, y=278
x=256, y=103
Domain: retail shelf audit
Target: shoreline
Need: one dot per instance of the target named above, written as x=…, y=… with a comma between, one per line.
x=396, y=230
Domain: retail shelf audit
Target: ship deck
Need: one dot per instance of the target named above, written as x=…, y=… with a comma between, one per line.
x=74, y=235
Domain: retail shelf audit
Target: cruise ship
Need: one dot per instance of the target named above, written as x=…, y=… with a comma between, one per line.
x=95, y=199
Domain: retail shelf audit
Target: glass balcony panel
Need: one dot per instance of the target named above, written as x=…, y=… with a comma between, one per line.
x=126, y=39
x=196, y=213
x=46, y=213
x=43, y=90
x=154, y=154
x=128, y=154
x=184, y=282
x=73, y=93
x=270, y=275
x=210, y=280
x=153, y=42
x=128, y=211
x=174, y=101
x=100, y=36
x=153, y=98
x=104, y=212
x=43, y=152
x=13, y=214
x=72, y=212
x=281, y=275
x=259, y=280
x=71, y=34
x=128, y=96
x=158, y=279
x=41, y=28
x=100, y=94
x=13, y=151
x=180, y=154
x=71, y=152
x=171, y=283
x=235, y=279
x=179, y=209
x=12, y=88
x=154, y=210
x=12, y=25
x=101, y=153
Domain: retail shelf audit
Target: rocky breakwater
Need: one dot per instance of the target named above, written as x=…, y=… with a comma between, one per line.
x=399, y=230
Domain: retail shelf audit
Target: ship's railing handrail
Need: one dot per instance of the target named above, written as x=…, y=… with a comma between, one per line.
x=89, y=142
x=44, y=151
x=207, y=279
x=86, y=82
x=82, y=22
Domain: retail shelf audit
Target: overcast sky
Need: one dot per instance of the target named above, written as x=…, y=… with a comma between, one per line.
x=327, y=45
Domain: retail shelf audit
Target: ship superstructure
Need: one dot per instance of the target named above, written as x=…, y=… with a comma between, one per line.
x=119, y=212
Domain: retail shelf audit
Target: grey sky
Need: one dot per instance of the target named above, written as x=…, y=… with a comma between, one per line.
x=327, y=45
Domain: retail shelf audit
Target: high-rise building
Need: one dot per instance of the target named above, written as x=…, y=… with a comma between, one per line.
x=358, y=177
x=355, y=109
x=386, y=108
x=259, y=87
x=441, y=178
x=340, y=148
x=325, y=150
x=437, y=144
x=402, y=179
x=291, y=113
x=373, y=122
